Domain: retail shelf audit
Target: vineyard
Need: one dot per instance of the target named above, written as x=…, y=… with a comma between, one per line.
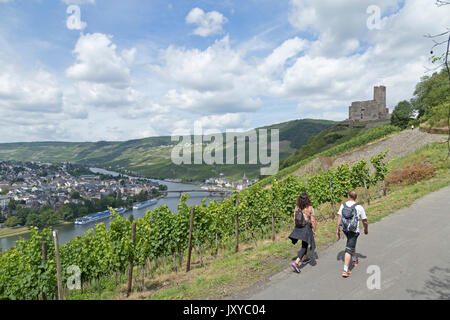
x=38, y=268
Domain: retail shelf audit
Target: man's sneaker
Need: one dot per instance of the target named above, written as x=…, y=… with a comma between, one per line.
x=355, y=262
x=306, y=261
x=296, y=267
x=346, y=274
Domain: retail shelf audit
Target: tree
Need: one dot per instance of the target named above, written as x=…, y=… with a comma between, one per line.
x=22, y=213
x=12, y=205
x=82, y=212
x=142, y=196
x=439, y=113
x=431, y=92
x=34, y=220
x=439, y=40
x=75, y=195
x=402, y=114
x=48, y=217
x=12, y=221
x=67, y=213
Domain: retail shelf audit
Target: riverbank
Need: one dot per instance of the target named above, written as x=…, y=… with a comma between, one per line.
x=14, y=232
x=11, y=232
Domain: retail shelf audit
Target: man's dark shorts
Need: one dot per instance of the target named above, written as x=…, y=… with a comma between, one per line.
x=351, y=241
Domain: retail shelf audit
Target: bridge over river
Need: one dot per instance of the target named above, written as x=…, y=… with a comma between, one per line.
x=211, y=192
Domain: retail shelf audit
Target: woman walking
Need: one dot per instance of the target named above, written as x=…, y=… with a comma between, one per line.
x=304, y=230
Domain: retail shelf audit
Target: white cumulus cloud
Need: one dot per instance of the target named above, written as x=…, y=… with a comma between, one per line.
x=98, y=61
x=208, y=23
x=35, y=91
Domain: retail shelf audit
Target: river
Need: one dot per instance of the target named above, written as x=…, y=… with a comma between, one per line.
x=70, y=231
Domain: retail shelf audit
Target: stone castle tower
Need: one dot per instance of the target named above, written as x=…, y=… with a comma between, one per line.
x=370, y=110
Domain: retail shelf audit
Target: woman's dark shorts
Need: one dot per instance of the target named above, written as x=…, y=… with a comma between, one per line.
x=351, y=241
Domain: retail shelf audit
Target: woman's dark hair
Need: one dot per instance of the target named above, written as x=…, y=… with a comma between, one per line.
x=303, y=201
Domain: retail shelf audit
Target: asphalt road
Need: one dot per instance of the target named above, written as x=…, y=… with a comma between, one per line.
x=411, y=248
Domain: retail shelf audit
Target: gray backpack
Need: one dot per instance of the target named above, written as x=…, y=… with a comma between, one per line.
x=349, y=218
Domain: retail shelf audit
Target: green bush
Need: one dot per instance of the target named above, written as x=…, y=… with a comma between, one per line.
x=438, y=113
x=402, y=114
x=12, y=222
x=431, y=92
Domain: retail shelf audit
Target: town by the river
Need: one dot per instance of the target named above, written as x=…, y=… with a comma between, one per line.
x=70, y=231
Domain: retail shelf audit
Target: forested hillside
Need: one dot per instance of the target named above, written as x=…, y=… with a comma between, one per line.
x=151, y=157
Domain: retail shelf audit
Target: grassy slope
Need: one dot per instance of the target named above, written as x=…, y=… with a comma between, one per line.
x=9, y=232
x=329, y=138
x=148, y=156
x=368, y=136
x=229, y=272
x=437, y=127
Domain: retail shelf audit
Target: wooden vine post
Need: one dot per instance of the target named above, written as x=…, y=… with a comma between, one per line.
x=273, y=226
x=174, y=259
x=58, y=265
x=180, y=258
x=275, y=209
x=130, y=268
x=367, y=190
x=44, y=258
x=191, y=227
x=237, y=222
x=333, y=206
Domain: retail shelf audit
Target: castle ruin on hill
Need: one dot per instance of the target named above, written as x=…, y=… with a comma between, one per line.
x=370, y=110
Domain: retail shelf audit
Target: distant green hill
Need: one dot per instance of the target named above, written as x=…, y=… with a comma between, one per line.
x=151, y=157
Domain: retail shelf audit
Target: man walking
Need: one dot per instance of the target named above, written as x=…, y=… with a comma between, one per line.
x=349, y=215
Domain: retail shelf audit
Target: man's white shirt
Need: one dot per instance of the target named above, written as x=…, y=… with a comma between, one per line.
x=359, y=210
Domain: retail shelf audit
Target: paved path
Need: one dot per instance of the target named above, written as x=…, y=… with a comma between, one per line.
x=411, y=247
x=398, y=145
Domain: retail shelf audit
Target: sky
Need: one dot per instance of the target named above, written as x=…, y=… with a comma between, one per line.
x=91, y=70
